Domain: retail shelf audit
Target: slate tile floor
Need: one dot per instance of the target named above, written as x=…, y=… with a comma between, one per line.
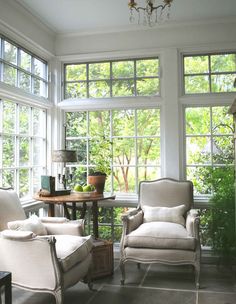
x=152, y=284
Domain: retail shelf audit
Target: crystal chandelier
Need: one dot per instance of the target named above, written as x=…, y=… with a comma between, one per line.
x=150, y=14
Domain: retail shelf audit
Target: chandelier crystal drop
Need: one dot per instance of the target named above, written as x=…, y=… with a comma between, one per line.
x=150, y=14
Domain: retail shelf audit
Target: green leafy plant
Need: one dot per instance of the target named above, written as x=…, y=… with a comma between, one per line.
x=221, y=218
x=100, y=154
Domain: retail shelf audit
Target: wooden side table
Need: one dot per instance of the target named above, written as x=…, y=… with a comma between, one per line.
x=103, y=259
x=5, y=281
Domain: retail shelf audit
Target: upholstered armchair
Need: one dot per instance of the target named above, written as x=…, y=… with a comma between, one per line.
x=163, y=229
x=43, y=255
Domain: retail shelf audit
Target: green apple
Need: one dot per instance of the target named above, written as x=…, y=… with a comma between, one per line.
x=78, y=188
x=87, y=188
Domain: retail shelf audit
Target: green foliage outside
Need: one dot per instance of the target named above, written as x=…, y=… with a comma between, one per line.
x=220, y=219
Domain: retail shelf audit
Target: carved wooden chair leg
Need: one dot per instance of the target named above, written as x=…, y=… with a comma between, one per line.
x=197, y=275
x=122, y=269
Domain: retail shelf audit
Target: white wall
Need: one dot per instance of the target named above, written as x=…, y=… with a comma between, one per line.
x=17, y=24
x=164, y=37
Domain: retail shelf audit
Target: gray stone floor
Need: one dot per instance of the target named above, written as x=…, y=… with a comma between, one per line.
x=152, y=284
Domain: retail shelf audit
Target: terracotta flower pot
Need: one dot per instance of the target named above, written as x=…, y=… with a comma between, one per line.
x=98, y=181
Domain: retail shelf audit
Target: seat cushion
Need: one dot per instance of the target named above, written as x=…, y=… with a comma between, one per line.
x=160, y=235
x=72, y=249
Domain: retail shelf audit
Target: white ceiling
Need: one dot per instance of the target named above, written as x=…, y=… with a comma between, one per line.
x=70, y=16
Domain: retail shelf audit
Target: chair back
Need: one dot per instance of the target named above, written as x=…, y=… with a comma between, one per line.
x=10, y=208
x=166, y=192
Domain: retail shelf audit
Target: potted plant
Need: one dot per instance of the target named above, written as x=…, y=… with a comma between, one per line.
x=100, y=156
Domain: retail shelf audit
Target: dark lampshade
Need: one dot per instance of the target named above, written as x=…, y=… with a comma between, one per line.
x=64, y=156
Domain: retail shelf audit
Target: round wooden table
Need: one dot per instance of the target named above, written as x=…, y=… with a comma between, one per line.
x=76, y=198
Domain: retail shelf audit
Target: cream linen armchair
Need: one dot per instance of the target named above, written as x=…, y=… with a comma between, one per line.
x=43, y=255
x=162, y=229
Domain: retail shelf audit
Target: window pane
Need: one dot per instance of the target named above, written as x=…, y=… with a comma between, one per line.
x=25, y=61
x=124, y=151
x=122, y=88
x=148, y=173
x=197, y=121
x=223, y=83
x=123, y=69
x=223, y=63
x=36, y=179
x=223, y=152
x=147, y=87
x=39, y=68
x=24, y=119
x=114, y=132
x=8, y=178
x=24, y=81
x=196, y=64
x=76, y=72
x=9, y=75
x=151, y=119
x=10, y=52
x=99, y=89
x=24, y=183
x=8, y=151
x=124, y=180
x=38, y=151
x=9, y=117
x=198, y=150
x=80, y=146
x=123, y=123
x=205, y=153
x=196, y=84
x=147, y=67
x=76, y=124
x=149, y=151
x=39, y=120
x=112, y=79
x=24, y=151
x=196, y=175
x=76, y=90
x=222, y=121
x=99, y=123
x=99, y=70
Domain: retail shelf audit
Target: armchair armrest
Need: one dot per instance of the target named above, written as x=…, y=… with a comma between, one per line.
x=132, y=220
x=56, y=226
x=31, y=259
x=192, y=223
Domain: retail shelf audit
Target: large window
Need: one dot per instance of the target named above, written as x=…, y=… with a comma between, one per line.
x=20, y=68
x=128, y=139
x=22, y=147
x=209, y=146
x=209, y=73
x=139, y=77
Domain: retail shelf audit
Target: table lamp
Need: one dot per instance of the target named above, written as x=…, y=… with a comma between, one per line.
x=64, y=156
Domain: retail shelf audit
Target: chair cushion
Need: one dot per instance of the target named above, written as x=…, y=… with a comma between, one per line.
x=33, y=224
x=72, y=249
x=160, y=235
x=164, y=214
